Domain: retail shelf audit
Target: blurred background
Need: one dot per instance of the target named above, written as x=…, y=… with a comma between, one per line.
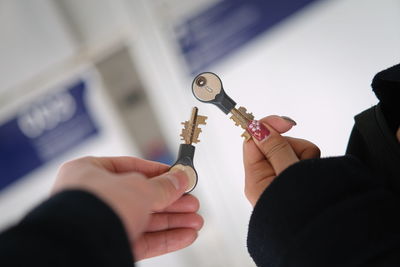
x=113, y=77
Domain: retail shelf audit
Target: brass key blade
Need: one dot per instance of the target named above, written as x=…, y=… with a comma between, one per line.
x=186, y=132
x=201, y=120
x=191, y=131
x=241, y=117
x=196, y=133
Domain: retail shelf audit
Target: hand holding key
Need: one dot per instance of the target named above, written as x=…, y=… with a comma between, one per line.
x=207, y=87
x=190, y=135
x=147, y=199
x=264, y=158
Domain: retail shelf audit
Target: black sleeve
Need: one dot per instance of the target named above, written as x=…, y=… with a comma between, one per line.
x=73, y=228
x=326, y=212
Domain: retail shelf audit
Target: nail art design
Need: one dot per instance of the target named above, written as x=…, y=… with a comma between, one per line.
x=258, y=130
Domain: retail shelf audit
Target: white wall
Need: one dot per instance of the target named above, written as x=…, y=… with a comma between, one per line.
x=33, y=39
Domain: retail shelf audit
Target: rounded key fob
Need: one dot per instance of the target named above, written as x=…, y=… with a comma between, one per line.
x=207, y=87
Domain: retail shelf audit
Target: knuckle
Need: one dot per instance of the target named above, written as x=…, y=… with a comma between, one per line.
x=275, y=146
x=67, y=166
x=73, y=163
x=312, y=152
x=316, y=152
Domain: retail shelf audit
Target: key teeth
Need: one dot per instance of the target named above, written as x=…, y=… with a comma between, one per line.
x=191, y=129
x=246, y=114
x=201, y=120
x=196, y=133
x=235, y=120
x=183, y=139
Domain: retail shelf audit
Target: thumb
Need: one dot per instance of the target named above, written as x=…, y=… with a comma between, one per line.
x=167, y=188
x=275, y=148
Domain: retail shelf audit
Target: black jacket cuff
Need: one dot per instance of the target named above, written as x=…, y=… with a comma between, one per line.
x=72, y=228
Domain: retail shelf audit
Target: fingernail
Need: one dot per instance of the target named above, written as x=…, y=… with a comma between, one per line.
x=258, y=130
x=289, y=120
x=189, y=174
x=174, y=181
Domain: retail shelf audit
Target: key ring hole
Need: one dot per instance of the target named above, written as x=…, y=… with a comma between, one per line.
x=201, y=81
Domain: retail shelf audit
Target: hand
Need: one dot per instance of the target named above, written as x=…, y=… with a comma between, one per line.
x=264, y=160
x=156, y=215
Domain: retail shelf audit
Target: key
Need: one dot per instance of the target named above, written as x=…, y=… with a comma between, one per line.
x=207, y=87
x=190, y=135
x=191, y=131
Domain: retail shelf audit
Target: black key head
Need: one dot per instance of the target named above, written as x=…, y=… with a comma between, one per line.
x=207, y=88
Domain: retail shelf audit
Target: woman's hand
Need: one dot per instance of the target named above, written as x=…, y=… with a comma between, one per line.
x=156, y=215
x=265, y=159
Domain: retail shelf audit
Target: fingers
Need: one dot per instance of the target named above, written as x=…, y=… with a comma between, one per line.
x=275, y=148
x=131, y=164
x=280, y=124
x=165, y=221
x=159, y=243
x=167, y=188
x=304, y=149
x=187, y=203
x=259, y=172
x=251, y=153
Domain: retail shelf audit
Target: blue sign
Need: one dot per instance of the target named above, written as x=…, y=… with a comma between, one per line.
x=222, y=28
x=47, y=128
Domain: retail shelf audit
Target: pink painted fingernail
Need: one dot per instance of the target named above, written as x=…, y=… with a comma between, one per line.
x=258, y=130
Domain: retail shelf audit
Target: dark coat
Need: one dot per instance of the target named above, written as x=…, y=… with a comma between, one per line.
x=341, y=211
